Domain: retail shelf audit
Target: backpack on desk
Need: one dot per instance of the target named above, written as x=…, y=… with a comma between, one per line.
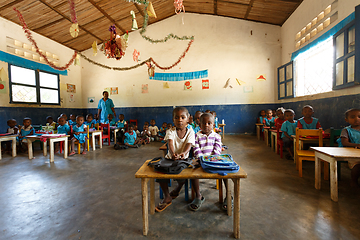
x=169, y=166
x=221, y=164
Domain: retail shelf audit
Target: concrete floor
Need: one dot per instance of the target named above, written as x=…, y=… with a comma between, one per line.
x=97, y=197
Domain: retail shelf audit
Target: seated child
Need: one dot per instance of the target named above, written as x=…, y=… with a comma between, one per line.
x=136, y=131
x=50, y=122
x=121, y=123
x=307, y=121
x=262, y=116
x=90, y=122
x=350, y=137
x=154, y=130
x=72, y=121
x=65, y=117
x=191, y=121
x=25, y=130
x=281, y=118
x=145, y=135
x=269, y=120
x=288, y=128
x=62, y=128
x=197, y=121
x=179, y=139
x=162, y=131
x=96, y=118
x=13, y=129
x=274, y=113
x=130, y=138
x=79, y=130
x=146, y=123
x=207, y=142
x=110, y=120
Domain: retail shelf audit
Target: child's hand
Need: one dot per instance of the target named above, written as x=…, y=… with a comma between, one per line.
x=76, y=133
x=182, y=156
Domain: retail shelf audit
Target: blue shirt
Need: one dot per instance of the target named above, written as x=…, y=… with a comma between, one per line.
x=63, y=129
x=289, y=128
x=112, y=123
x=105, y=109
x=353, y=136
x=121, y=124
x=197, y=129
x=130, y=139
x=216, y=123
x=72, y=123
x=311, y=125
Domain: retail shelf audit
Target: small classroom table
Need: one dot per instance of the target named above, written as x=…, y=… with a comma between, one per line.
x=273, y=139
x=13, y=144
x=52, y=140
x=147, y=174
x=258, y=130
x=223, y=129
x=95, y=133
x=266, y=135
x=332, y=155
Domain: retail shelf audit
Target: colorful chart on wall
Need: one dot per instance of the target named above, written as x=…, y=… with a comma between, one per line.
x=71, y=97
x=114, y=91
x=205, y=84
x=188, y=85
x=145, y=88
x=91, y=99
x=71, y=88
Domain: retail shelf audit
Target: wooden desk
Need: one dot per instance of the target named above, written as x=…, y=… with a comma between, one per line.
x=95, y=133
x=13, y=145
x=52, y=140
x=258, y=130
x=332, y=155
x=266, y=135
x=223, y=129
x=147, y=174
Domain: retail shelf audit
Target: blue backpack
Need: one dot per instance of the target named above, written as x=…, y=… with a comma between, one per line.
x=221, y=164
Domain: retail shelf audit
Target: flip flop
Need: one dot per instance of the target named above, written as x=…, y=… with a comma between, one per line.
x=224, y=205
x=173, y=195
x=72, y=153
x=197, y=203
x=162, y=206
x=83, y=153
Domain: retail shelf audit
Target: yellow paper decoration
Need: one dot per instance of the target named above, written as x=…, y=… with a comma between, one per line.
x=166, y=85
x=240, y=82
x=74, y=30
x=94, y=47
x=151, y=10
x=3, y=75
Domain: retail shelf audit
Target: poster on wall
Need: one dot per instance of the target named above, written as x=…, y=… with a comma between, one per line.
x=166, y=85
x=114, y=91
x=248, y=89
x=205, y=84
x=71, y=97
x=144, y=88
x=71, y=88
x=187, y=85
x=91, y=99
x=261, y=77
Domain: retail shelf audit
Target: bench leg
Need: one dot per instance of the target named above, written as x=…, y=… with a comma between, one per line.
x=145, y=206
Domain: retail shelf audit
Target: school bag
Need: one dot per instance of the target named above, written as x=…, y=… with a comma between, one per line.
x=221, y=164
x=169, y=166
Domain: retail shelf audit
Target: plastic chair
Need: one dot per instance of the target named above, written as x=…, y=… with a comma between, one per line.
x=106, y=136
x=306, y=155
x=134, y=121
x=334, y=134
x=279, y=142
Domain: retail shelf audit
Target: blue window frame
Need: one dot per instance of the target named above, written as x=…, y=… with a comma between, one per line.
x=286, y=81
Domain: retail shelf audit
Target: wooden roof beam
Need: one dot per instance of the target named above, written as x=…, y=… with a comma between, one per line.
x=237, y=3
x=107, y=15
x=249, y=9
x=10, y=4
x=67, y=18
x=141, y=11
x=48, y=25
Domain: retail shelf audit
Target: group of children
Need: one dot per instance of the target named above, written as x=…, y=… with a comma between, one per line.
x=285, y=122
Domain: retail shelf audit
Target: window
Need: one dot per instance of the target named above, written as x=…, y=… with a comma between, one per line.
x=285, y=81
x=344, y=59
x=33, y=86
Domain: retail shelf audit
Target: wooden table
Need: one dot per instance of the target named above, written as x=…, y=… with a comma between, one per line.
x=258, y=130
x=266, y=135
x=147, y=174
x=332, y=155
x=273, y=139
x=52, y=140
x=95, y=133
x=223, y=129
x=13, y=145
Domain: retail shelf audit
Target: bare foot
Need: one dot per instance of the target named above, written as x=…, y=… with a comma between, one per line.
x=83, y=153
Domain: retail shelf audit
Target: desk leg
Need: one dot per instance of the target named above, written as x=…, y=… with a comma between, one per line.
x=45, y=148
x=275, y=142
x=14, y=148
x=152, y=196
x=223, y=132
x=272, y=141
x=333, y=181
x=317, y=172
x=220, y=191
x=258, y=132
x=30, y=150
x=0, y=150
x=236, y=223
x=228, y=197
x=295, y=161
x=145, y=207
x=100, y=140
x=93, y=141
x=66, y=148
x=51, y=142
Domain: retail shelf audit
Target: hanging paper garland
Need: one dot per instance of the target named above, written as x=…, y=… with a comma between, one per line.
x=116, y=46
x=136, y=55
x=179, y=6
x=74, y=29
x=29, y=37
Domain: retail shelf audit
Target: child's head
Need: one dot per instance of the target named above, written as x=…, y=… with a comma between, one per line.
x=146, y=127
x=146, y=123
x=49, y=119
x=197, y=117
x=11, y=123
x=169, y=125
x=164, y=125
x=262, y=113
x=72, y=117
x=96, y=116
x=89, y=117
x=152, y=122
x=269, y=113
x=79, y=120
x=110, y=117
x=208, y=111
x=131, y=128
x=307, y=111
x=289, y=115
x=191, y=119
x=121, y=117
x=180, y=117
x=64, y=116
x=207, y=123
x=214, y=114
x=61, y=121
x=352, y=116
x=280, y=112
x=27, y=122
x=135, y=127
x=273, y=112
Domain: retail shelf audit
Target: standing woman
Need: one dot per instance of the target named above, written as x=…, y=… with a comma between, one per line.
x=105, y=107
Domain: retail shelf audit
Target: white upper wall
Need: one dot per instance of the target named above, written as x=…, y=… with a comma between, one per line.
x=228, y=48
x=15, y=31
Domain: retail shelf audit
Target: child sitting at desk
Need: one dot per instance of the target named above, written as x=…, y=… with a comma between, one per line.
x=207, y=142
x=62, y=128
x=65, y=117
x=269, y=120
x=197, y=121
x=110, y=120
x=72, y=121
x=281, y=118
x=288, y=128
x=130, y=139
x=90, y=122
x=121, y=123
x=350, y=137
x=96, y=118
x=50, y=122
x=179, y=139
x=25, y=130
x=262, y=116
x=13, y=129
x=307, y=121
x=80, y=135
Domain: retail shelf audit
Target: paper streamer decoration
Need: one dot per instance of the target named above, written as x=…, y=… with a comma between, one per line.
x=77, y=60
x=205, y=84
x=188, y=85
x=134, y=23
x=151, y=11
x=3, y=75
x=145, y=88
x=261, y=78
x=74, y=30
x=94, y=48
x=240, y=82
x=180, y=76
x=136, y=55
x=166, y=85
